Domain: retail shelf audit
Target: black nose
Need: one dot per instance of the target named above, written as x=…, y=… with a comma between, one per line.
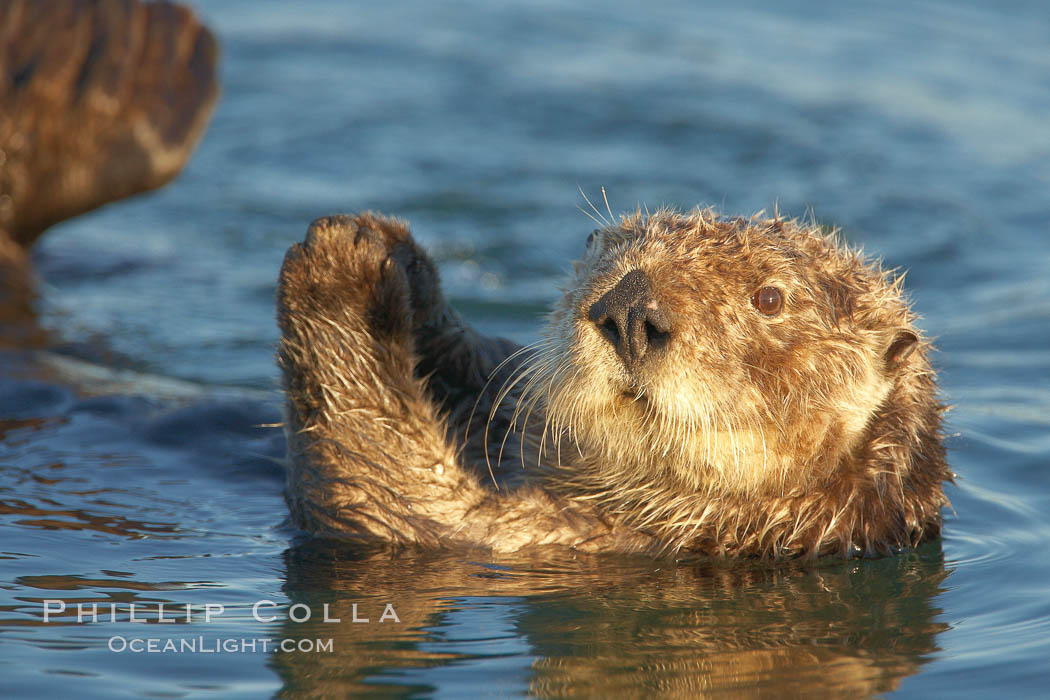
x=629, y=317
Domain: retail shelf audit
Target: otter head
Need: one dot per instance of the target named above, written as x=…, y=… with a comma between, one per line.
x=730, y=356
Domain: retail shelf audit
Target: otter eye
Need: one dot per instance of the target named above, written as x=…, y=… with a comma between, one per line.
x=768, y=300
x=590, y=238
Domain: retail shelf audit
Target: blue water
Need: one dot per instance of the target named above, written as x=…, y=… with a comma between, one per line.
x=135, y=465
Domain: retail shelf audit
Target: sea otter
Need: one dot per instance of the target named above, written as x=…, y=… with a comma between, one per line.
x=708, y=385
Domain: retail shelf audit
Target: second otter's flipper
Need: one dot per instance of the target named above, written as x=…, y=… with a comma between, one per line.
x=99, y=100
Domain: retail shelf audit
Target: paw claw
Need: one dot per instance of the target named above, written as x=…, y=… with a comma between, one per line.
x=329, y=229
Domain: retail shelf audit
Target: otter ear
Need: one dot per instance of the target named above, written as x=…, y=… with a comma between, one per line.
x=903, y=345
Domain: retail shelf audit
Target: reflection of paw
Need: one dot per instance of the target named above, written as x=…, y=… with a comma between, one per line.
x=344, y=268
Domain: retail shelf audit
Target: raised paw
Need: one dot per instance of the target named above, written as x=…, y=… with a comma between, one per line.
x=344, y=273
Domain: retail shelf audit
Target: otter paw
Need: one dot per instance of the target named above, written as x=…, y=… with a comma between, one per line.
x=424, y=284
x=343, y=272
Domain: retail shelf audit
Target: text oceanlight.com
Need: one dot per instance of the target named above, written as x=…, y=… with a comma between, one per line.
x=217, y=645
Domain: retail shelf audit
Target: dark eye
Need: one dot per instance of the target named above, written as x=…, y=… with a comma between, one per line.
x=768, y=300
x=590, y=238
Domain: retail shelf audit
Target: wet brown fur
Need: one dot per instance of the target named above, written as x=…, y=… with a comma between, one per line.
x=813, y=432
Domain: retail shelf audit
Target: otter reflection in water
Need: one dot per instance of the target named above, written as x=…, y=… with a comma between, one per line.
x=610, y=626
x=711, y=385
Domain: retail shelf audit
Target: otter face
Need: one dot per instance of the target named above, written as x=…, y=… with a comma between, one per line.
x=731, y=356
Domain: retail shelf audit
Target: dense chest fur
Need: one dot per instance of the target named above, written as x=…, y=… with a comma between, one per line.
x=813, y=432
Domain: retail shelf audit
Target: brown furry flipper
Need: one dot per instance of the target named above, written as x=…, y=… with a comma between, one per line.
x=99, y=100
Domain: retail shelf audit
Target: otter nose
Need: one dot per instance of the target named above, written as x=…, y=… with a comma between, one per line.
x=629, y=318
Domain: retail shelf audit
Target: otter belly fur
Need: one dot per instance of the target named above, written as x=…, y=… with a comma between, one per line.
x=711, y=385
